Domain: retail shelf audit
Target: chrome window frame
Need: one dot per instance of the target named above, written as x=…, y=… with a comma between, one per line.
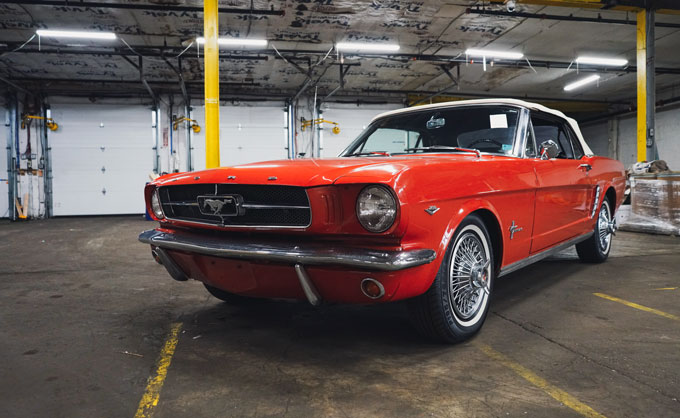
x=520, y=131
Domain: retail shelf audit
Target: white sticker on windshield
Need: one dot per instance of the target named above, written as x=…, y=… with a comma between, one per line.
x=498, y=121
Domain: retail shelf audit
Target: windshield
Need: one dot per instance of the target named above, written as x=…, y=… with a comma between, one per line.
x=489, y=129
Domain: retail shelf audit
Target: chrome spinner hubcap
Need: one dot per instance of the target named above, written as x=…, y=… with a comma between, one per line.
x=469, y=276
x=606, y=227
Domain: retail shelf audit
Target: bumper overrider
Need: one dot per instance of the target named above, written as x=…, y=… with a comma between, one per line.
x=277, y=252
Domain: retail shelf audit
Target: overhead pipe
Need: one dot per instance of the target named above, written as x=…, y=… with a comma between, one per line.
x=212, y=83
x=569, y=18
x=182, y=85
x=128, y=6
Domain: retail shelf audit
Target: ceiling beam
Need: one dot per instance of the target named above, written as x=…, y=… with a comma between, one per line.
x=263, y=55
x=140, y=68
x=153, y=7
x=570, y=18
x=14, y=85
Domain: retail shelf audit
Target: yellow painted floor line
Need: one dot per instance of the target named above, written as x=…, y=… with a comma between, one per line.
x=552, y=390
x=636, y=306
x=155, y=383
x=666, y=288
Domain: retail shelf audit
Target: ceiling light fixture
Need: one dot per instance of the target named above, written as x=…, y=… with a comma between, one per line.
x=487, y=53
x=75, y=34
x=582, y=82
x=613, y=62
x=235, y=41
x=364, y=46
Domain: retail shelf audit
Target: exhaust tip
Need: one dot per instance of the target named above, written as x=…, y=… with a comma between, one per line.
x=372, y=288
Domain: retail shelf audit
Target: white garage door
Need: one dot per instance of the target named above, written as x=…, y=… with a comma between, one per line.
x=247, y=134
x=4, y=134
x=352, y=120
x=101, y=158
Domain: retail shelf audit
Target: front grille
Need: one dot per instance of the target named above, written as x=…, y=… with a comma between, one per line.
x=258, y=205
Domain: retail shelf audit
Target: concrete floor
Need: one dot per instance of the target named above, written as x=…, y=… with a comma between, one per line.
x=77, y=293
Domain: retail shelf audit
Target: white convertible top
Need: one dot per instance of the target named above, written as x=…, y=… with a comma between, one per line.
x=514, y=102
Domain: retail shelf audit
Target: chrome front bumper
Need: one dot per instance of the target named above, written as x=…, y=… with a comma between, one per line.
x=307, y=254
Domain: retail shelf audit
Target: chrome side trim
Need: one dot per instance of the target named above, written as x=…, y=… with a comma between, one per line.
x=259, y=206
x=543, y=254
x=596, y=202
x=309, y=254
x=308, y=286
x=172, y=267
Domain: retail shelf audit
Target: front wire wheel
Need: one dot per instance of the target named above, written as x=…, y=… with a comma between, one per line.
x=596, y=248
x=456, y=305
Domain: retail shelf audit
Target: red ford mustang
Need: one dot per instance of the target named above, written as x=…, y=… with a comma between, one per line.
x=431, y=204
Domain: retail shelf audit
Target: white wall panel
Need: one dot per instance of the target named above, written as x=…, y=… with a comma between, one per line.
x=247, y=134
x=352, y=120
x=667, y=137
x=101, y=157
x=4, y=134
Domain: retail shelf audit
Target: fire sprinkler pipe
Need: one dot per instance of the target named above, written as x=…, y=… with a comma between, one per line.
x=212, y=84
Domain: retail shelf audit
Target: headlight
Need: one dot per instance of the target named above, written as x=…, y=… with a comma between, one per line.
x=156, y=205
x=376, y=208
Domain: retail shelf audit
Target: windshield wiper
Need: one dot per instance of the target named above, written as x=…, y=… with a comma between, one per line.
x=445, y=148
x=357, y=154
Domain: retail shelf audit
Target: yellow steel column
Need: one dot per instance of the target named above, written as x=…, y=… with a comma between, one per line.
x=211, y=63
x=641, y=86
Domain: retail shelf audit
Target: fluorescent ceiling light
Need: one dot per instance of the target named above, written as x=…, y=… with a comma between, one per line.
x=494, y=54
x=614, y=62
x=582, y=82
x=363, y=46
x=76, y=34
x=236, y=41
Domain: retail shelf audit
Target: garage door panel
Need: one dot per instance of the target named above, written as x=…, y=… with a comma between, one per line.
x=234, y=156
x=247, y=134
x=82, y=147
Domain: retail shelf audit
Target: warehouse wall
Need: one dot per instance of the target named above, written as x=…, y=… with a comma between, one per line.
x=4, y=136
x=103, y=152
x=667, y=135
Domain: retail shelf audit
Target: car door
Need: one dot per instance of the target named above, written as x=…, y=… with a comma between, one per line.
x=563, y=185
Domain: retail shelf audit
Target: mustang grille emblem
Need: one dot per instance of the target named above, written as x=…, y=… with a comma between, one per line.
x=229, y=205
x=215, y=205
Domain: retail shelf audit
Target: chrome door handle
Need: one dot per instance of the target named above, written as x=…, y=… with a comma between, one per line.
x=588, y=167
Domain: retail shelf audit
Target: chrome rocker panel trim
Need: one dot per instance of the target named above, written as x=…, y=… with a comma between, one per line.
x=311, y=254
x=543, y=254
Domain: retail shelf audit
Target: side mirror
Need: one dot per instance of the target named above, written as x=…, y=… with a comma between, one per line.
x=549, y=149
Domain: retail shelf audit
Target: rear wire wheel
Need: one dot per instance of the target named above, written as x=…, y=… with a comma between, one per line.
x=456, y=305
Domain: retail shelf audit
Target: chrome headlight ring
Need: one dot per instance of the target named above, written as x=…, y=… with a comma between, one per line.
x=376, y=208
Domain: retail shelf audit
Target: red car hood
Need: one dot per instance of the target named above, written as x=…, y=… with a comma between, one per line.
x=317, y=172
